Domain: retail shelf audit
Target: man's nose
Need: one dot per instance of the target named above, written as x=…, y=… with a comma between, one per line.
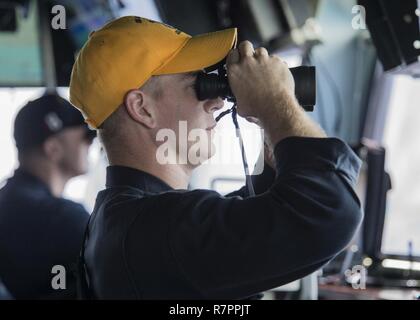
x=213, y=105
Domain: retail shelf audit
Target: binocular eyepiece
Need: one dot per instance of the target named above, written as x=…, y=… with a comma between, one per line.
x=211, y=86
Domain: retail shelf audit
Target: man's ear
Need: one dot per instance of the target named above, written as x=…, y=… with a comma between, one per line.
x=139, y=107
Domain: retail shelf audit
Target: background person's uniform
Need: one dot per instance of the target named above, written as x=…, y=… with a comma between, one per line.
x=37, y=229
x=147, y=241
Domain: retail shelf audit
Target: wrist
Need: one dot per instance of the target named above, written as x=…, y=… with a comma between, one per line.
x=287, y=118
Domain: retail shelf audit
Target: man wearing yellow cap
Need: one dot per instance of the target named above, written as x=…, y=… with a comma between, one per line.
x=149, y=237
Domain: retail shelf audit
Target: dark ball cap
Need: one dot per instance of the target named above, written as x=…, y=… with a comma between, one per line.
x=41, y=118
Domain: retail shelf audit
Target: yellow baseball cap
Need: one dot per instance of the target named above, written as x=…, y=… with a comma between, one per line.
x=127, y=51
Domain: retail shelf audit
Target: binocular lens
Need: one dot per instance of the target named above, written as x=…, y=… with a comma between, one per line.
x=212, y=86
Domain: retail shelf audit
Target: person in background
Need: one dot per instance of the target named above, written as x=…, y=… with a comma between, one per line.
x=39, y=229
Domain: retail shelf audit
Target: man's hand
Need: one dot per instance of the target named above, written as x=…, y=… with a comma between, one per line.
x=257, y=79
x=264, y=89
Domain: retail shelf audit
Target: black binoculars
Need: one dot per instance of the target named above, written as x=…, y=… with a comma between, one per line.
x=211, y=86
